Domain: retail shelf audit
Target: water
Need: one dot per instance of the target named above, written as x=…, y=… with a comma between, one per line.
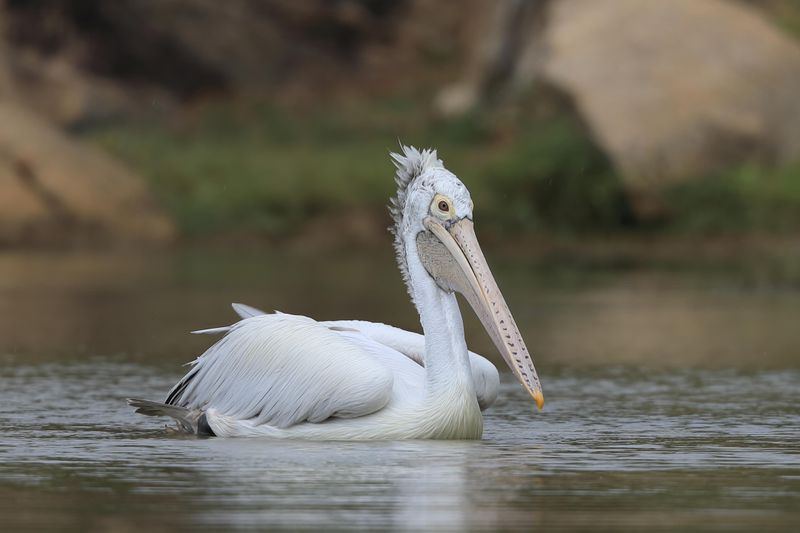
x=671, y=405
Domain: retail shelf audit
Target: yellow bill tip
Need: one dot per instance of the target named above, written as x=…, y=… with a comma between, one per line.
x=538, y=397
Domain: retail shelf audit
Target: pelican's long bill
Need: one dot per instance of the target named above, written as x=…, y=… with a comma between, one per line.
x=452, y=256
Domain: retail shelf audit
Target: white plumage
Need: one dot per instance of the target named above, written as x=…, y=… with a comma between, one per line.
x=288, y=376
x=260, y=372
x=271, y=373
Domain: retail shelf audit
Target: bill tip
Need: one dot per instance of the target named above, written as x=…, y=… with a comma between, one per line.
x=538, y=397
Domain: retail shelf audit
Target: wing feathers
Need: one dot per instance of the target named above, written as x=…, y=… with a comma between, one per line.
x=246, y=311
x=282, y=370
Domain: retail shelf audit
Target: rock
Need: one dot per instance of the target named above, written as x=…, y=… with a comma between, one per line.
x=56, y=190
x=20, y=208
x=670, y=90
x=6, y=82
x=677, y=89
x=506, y=29
x=71, y=98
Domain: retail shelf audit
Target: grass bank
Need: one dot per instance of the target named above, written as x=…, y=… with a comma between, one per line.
x=258, y=169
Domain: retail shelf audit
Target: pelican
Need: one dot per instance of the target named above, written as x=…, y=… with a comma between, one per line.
x=286, y=376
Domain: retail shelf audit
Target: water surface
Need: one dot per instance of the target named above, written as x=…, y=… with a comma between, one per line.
x=670, y=405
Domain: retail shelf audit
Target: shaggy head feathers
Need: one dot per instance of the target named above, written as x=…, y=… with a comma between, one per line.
x=409, y=165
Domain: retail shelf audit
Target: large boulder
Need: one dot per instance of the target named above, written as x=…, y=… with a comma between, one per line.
x=669, y=89
x=55, y=190
x=679, y=88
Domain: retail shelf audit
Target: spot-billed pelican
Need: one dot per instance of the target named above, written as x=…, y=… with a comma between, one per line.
x=287, y=376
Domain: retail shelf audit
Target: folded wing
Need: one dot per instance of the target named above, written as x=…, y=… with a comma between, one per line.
x=485, y=377
x=283, y=370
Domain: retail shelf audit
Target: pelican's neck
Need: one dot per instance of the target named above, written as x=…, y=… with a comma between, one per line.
x=446, y=357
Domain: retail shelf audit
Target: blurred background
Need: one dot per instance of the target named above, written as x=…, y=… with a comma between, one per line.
x=640, y=151
x=165, y=120
x=635, y=168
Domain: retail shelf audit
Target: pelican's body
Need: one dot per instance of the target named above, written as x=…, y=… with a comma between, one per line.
x=288, y=376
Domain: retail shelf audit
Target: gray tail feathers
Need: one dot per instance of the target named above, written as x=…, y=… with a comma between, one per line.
x=189, y=420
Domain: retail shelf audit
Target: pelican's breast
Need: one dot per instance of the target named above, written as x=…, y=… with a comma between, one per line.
x=454, y=415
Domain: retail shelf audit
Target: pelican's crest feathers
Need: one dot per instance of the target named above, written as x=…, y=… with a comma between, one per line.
x=409, y=165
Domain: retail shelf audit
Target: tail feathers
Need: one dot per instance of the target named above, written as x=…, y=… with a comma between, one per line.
x=190, y=421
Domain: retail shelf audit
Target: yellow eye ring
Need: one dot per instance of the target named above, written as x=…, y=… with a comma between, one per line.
x=442, y=207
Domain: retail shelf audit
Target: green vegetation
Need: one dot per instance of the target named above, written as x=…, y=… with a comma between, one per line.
x=745, y=198
x=553, y=177
x=784, y=13
x=255, y=168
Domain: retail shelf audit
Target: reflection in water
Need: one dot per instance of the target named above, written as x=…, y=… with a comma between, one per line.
x=645, y=444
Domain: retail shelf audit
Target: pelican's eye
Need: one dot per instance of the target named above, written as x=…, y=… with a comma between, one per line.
x=441, y=206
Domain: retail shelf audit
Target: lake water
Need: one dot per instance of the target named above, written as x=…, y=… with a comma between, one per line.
x=672, y=404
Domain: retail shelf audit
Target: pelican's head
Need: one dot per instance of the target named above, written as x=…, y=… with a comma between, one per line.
x=432, y=213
